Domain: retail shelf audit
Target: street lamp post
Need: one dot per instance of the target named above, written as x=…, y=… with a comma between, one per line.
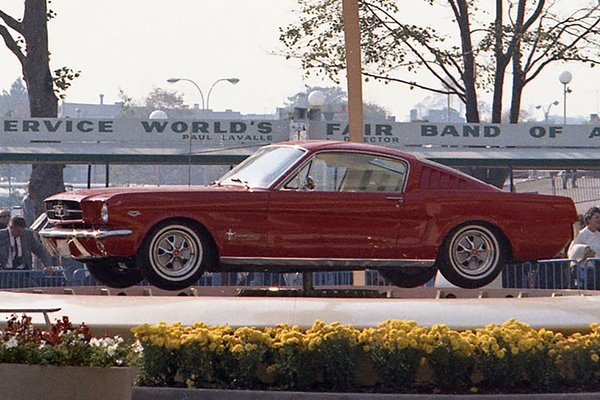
x=174, y=80
x=565, y=78
x=233, y=81
x=547, y=111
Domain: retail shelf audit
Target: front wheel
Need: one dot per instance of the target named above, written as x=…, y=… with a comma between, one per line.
x=472, y=256
x=114, y=274
x=174, y=255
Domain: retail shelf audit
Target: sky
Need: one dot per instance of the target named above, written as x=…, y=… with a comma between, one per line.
x=135, y=46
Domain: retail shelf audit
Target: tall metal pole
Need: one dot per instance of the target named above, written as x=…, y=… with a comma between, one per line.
x=233, y=81
x=174, y=80
x=565, y=78
x=353, y=62
x=564, y=103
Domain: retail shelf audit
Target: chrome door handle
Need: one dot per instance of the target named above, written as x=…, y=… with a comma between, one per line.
x=398, y=199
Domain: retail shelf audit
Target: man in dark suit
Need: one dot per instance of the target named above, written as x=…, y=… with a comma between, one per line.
x=17, y=244
x=4, y=218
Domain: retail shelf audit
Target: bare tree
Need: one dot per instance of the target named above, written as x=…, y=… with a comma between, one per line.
x=27, y=39
x=527, y=32
x=545, y=37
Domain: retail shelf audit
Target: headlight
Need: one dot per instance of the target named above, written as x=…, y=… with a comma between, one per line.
x=104, y=213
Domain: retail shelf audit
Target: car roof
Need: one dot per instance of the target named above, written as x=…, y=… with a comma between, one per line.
x=317, y=145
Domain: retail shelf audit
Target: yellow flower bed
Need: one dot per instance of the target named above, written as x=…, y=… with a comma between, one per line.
x=394, y=356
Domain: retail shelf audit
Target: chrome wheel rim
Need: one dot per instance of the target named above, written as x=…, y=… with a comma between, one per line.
x=176, y=253
x=474, y=252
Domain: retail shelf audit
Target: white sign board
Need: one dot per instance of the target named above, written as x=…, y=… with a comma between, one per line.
x=399, y=135
x=169, y=133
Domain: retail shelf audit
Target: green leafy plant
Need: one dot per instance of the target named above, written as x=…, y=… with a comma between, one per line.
x=396, y=356
x=62, y=344
x=395, y=349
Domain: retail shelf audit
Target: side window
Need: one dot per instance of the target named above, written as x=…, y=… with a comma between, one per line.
x=350, y=172
x=321, y=174
x=385, y=175
x=298, y=182
x=327, y=174
x=371, y=173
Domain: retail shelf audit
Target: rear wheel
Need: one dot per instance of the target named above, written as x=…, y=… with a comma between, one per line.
x=408, y=277
x=113, y=273
x=175, y=254
x=472, y=256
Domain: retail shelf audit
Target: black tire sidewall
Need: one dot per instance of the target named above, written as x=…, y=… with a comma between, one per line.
x=101, y=270
x=401, y=278
x=145, y=263
x=449, y=271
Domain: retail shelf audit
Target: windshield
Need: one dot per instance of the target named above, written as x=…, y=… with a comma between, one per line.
x=262, y=168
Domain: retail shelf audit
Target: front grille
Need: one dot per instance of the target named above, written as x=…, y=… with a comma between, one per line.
x=64, y=210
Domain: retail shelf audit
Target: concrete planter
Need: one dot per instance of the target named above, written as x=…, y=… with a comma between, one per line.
x=21, y=381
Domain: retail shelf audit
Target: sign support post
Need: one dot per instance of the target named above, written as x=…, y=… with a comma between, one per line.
x=354, y=74
x=354, y=78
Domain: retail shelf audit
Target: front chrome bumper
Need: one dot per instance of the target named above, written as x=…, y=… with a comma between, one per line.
x=79, y=243
x=82, y=233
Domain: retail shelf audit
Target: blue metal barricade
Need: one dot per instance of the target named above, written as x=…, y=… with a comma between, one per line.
x=543, y=274
x=52, y=278
x=555, y=274
x=373, y=278
x=81, y=277
x=518, y=275
x=341, y=278
x=14, y=279
x=588, y=276
x=10, y=279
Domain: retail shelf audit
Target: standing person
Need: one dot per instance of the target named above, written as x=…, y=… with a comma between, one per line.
x=587, y=242
x=17, y=244
x=4, y=218
x=587, y=245
x=569, y=174
x=28, y=208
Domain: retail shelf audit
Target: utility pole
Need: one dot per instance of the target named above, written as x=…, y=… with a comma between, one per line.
x=353, y=63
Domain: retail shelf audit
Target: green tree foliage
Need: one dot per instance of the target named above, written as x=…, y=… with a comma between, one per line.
x=15, y=102
x=161, y=99
x=157, y=99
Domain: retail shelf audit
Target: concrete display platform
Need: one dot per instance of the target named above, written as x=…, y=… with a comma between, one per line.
x=144, y=393
x=118, y=314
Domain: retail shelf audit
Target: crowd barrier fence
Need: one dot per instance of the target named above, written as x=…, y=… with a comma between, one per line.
x=542, y=274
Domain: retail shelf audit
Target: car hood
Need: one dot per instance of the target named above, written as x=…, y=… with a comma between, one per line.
x=103, y=194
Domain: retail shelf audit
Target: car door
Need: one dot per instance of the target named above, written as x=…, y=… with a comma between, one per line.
x=338, y=205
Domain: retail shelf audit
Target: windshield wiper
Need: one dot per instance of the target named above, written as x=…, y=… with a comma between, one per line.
x=215, y=183
x=238, y=180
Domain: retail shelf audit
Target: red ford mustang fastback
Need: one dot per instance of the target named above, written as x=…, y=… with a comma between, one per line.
x=314, y=205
